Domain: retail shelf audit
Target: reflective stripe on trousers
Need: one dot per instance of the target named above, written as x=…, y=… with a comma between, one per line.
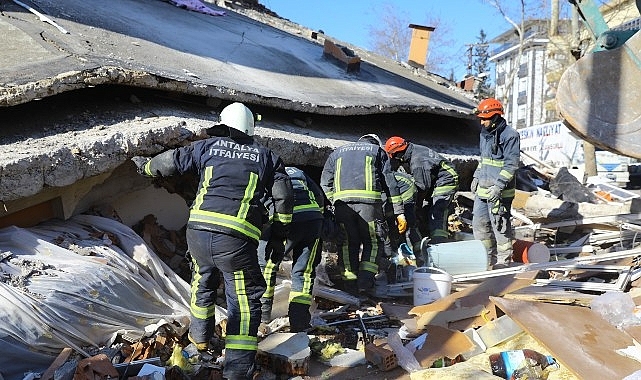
x=237, y=261
x=485, y=226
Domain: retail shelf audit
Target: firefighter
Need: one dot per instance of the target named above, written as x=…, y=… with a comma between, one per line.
x=493, y=183
x=353, y=178
x=436, y=179
x=303, y=243
x=224, y=228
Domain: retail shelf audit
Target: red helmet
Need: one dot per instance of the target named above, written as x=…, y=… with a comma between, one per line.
x=488, y=108
x=395, y=144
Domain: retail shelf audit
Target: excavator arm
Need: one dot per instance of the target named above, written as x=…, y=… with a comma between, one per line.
x=599, y=96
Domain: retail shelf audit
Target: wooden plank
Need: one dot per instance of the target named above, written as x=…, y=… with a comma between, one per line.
x=558, y=296
x=577, y=337
x=60, y=360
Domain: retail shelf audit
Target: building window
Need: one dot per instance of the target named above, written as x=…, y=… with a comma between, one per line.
x=523, y=71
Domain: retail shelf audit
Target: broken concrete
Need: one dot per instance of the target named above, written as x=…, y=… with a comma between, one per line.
x=69, y=134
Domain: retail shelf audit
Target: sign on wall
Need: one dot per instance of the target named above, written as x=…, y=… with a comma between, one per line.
x=553, y=144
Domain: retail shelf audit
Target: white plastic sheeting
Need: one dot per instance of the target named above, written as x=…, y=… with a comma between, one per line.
x=75, y=284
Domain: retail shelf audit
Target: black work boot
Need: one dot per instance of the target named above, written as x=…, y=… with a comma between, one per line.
x=299, y=317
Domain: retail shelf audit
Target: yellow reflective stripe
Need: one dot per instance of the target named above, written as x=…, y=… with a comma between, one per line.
x=228, y=221
x=308, y=281
x=337, y=176
x=487, y=243
x=199, y=311
x=270, y=268
x=300, y=297
x=492, y=162
x=147, y=168
x=330, y=195
x=209, y=171
x=307, y=207
x=369, y=181
x=508, y=193
x=505, y=174
x=374, y=195
x=237, y=223
x=349, y=275
x=397, y=199
x=243, y=302
x=370, y=267
x=248, y=196
x=450, y=170
x=443, y=190
x=241, y=342
x=505, y=247
x=283, y=218
x=505, y=193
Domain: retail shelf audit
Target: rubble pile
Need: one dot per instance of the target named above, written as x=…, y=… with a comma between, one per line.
x=578, y=287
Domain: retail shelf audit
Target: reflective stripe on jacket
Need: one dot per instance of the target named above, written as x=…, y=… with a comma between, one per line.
x=309, y=200
x=432, y=173
x=234, y=175
x=360, y=172
x=500, y=153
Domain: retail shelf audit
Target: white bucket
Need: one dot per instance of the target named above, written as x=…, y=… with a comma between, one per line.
x=430, y=284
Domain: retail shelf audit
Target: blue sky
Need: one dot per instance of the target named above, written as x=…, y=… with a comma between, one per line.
x=350, y=20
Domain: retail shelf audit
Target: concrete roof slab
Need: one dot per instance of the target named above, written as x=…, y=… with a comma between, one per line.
x=231, y=57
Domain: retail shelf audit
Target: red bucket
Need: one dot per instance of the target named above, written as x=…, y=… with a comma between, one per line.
x=530, y=252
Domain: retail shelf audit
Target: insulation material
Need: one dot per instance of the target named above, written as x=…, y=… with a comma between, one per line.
x=75, y=284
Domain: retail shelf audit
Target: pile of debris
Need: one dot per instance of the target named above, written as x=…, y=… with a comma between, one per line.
x=575, y=285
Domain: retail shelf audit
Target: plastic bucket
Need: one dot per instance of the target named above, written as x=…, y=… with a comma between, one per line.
x=524, y=251
x=430, y=284
x=467, y=256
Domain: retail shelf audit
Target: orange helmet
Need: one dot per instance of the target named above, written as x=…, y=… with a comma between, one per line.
x=488, y=108
x=395, y=144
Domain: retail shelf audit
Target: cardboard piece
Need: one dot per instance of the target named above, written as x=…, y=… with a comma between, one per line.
x=442, y=343
x=577, y=337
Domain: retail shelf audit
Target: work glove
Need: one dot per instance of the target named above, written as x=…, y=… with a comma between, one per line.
x=401, y=223
x=140, y=163
x=474, y=185
x=493, y=194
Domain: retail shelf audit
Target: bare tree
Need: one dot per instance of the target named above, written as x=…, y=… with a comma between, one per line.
x=519, y=26
x=391, y=37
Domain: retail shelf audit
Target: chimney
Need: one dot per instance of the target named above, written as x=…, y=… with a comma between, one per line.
x=418, y=45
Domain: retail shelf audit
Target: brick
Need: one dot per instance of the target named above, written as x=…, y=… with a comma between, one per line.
x=384, y=358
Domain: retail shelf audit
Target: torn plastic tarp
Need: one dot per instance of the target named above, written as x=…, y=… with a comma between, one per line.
x=75, y=284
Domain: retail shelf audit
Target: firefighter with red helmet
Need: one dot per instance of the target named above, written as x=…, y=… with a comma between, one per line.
x=494, y=182
x=224, y=227
x=436, y=179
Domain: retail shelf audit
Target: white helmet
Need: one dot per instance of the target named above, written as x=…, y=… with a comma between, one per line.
x=239, y=117
x=371, y=138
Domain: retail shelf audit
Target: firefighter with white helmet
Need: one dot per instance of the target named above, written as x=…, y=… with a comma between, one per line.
x=224, y=227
